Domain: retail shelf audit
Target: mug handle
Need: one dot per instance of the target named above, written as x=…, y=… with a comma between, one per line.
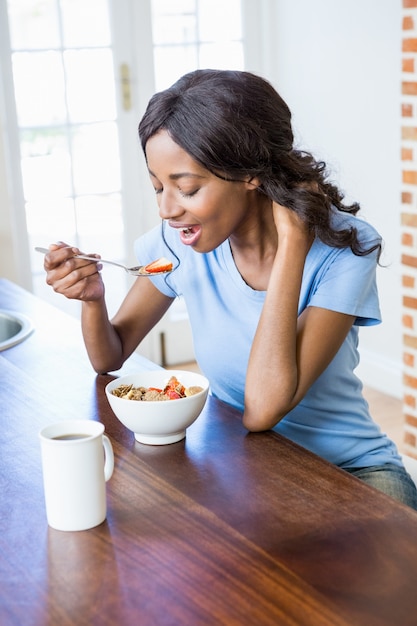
x=109, y=458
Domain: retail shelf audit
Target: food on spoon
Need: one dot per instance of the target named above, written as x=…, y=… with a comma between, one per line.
x=173, y=390
x=160, y=265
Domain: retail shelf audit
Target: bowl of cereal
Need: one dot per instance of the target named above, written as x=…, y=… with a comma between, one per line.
x=158, y=405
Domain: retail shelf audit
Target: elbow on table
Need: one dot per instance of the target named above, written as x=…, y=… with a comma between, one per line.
x=258, y=419
x=263, y=411
x=100, y=367
x=102, y=371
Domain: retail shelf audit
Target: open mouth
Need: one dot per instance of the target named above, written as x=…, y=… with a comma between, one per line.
x=189, y=231
x=189, y=234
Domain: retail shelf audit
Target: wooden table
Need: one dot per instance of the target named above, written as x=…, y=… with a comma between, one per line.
x=224, y=527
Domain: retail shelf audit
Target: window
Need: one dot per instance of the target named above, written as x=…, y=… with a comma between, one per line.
x=66, y=113
x=190, y=34
x=64, y=57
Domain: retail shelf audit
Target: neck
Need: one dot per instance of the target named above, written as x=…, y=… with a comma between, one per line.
x=257, y=235
x=254, y=246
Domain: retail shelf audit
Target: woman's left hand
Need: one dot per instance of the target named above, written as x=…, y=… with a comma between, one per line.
x=289, y=224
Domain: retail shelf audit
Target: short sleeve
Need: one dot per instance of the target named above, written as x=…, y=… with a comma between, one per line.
x=347, y=284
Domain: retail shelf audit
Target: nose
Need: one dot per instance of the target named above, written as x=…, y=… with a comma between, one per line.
x=168, y=207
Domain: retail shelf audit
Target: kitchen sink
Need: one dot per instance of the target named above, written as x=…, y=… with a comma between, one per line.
x=14, y=328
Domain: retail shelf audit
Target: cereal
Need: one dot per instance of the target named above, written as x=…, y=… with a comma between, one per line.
x=174, y=390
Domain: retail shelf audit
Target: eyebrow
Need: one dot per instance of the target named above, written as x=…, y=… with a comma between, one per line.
x=179, y=175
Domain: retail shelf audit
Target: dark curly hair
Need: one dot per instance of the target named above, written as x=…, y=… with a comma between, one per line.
x=236, y=125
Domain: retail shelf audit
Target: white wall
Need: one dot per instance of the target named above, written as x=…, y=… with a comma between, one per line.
x=338, y=67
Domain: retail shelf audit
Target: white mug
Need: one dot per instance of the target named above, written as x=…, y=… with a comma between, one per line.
x=75, y=471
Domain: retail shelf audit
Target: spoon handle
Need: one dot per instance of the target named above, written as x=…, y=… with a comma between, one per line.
x=86, y=257
x=92, y=258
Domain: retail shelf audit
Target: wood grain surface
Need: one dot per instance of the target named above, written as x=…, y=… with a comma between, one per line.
x=224, y=527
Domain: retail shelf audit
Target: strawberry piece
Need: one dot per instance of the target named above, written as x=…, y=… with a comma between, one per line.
x=160, y=265
x=172, y=395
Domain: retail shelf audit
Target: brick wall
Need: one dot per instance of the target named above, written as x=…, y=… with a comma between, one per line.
x=409, y=220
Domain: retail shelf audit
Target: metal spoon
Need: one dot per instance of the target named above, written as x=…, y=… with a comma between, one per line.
x=138, y=270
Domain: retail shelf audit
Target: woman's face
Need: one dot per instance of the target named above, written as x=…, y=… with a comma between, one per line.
x=205, y=209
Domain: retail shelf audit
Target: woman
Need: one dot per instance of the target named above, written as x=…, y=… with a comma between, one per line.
x=276, y=271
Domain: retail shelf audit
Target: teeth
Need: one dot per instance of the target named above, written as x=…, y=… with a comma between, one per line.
x=186, y=229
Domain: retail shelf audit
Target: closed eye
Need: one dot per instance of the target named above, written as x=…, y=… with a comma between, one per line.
x=189, y=194
x=183, y=194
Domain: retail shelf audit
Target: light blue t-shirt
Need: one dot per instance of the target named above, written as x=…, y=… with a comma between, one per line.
x=333, y=418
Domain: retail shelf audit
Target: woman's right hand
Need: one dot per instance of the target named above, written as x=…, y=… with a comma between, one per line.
x=76, y=279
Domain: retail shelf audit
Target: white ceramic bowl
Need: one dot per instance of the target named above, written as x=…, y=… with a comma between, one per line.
x=156, y=422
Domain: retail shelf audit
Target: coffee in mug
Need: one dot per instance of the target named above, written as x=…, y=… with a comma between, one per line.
x=77, y=461
x=70, y=437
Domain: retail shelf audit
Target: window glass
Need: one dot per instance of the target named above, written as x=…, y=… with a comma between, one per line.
x=174, y=29
x=33, y=24
x=95, y=154
x=179, y=7
x=85, y=23
x=105, y=210
x=191, y=34
x=46, y=164
x=172, y=62
x=90, y=85
x=223, y=56
x=50, y=216
x=39, y=88
x=219, y=20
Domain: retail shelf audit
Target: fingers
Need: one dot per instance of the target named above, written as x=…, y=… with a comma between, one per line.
x=75, y=278
x=57, y=255
x=62, y=253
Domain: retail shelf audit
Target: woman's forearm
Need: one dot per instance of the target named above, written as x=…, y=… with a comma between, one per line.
x=102, y=342
x=272, y=375
x=110, y=342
